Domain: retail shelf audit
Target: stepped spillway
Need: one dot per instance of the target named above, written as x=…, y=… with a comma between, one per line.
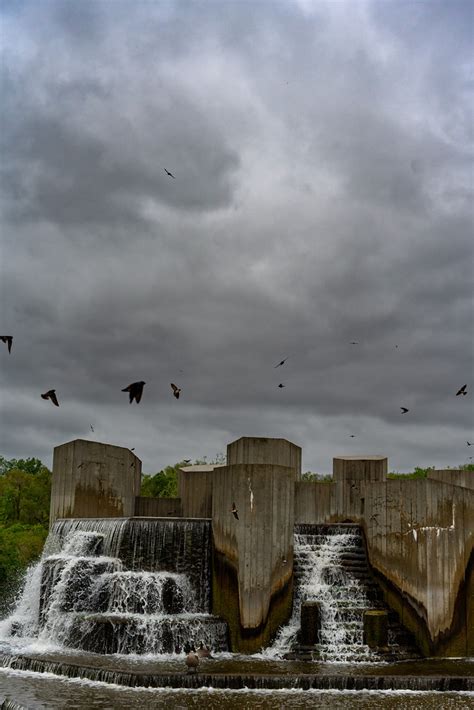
x=331, y=568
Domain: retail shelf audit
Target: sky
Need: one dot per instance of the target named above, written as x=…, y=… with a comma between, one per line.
x=322, y=154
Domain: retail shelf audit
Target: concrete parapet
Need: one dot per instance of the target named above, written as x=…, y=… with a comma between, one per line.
x=252, y=581
x=360, y=468
x=93, y=480
x=253, y=449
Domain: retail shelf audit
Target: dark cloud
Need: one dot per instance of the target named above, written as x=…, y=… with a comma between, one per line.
x=323, y=174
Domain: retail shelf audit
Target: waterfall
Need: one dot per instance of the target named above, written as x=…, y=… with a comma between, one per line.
x=120, y=586
x=327, y=559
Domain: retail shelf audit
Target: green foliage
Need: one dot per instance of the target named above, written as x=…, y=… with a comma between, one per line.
x=316, y=477
x=25, y=496
x=416, y=473
x=164, y=484
x=25, y=490
x=31, y=465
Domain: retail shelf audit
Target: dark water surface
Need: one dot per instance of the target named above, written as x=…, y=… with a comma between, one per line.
x=46, y=691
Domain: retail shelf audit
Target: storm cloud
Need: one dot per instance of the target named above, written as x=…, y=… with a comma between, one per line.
x=323, y=195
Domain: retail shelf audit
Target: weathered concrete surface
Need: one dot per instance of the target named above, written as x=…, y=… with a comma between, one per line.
x=376, y=628
x=158, y=507
x=420, y=540
x=92, y=480
x=195, y=490
x=360, y=468
x=453, y=476
x=257, y=449
x=253, y=555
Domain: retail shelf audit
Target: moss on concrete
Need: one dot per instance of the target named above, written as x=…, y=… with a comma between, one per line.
x=225, y=603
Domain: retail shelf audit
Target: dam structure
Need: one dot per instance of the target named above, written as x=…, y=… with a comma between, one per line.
x=360, y=570
x=418, y=533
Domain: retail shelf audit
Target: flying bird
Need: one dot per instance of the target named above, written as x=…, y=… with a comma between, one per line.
x=8, y=339
x=135, y=391
x=463, y=390
x=468, y=443
x=176, y=390
x=234, y=511
x=404, y=410
x=352, y=436
x=169, y=174
x=92, y=428
x=282, y=362
x=186, y=460
x=354, y=342
x=51, y=394
x=281, y=385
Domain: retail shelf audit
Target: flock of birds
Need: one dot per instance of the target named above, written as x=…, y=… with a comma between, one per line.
x=135, y=389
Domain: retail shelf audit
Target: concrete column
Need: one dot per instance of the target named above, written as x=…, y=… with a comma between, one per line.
x=253, y=560
x=94, y=480
x=376, y=628
x=360, y=468
x=310, y=622
x=195, y=490
x=257, y=449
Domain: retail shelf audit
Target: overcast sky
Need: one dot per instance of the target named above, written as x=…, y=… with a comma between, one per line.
x=323, y=194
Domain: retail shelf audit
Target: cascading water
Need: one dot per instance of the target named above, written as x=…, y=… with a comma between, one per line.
x=331, y=568
x=121, y=586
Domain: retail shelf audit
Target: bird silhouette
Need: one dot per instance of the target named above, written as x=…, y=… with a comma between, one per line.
x=169, y=174
x=468, y=443
x=404, y=410
x=135, y=391
x=92, y=428
x=282, y=362
x=51, y=394
x=354, y=342
x=281, y=385
x=352, y=436
x=176, y=390
x=463, y=390
x=8, y=339
x=186, y=460
x=234, y=511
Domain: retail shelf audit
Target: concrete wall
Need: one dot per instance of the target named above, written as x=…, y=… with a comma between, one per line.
x=157, y=507
x=253, y=555
x=453, y=476
x=94, y=480
x=280, y=452
x=195, y=490
x=420, y=539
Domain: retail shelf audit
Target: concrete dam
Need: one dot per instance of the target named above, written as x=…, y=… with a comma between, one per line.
x=419, y=534
x=362, y=569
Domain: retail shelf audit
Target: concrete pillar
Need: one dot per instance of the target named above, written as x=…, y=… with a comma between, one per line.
x=310, y=622
x=257, y=449
x=195, y=490
x=253, y=556
x=360, y=468
x=376, y=628
x=94, y=480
